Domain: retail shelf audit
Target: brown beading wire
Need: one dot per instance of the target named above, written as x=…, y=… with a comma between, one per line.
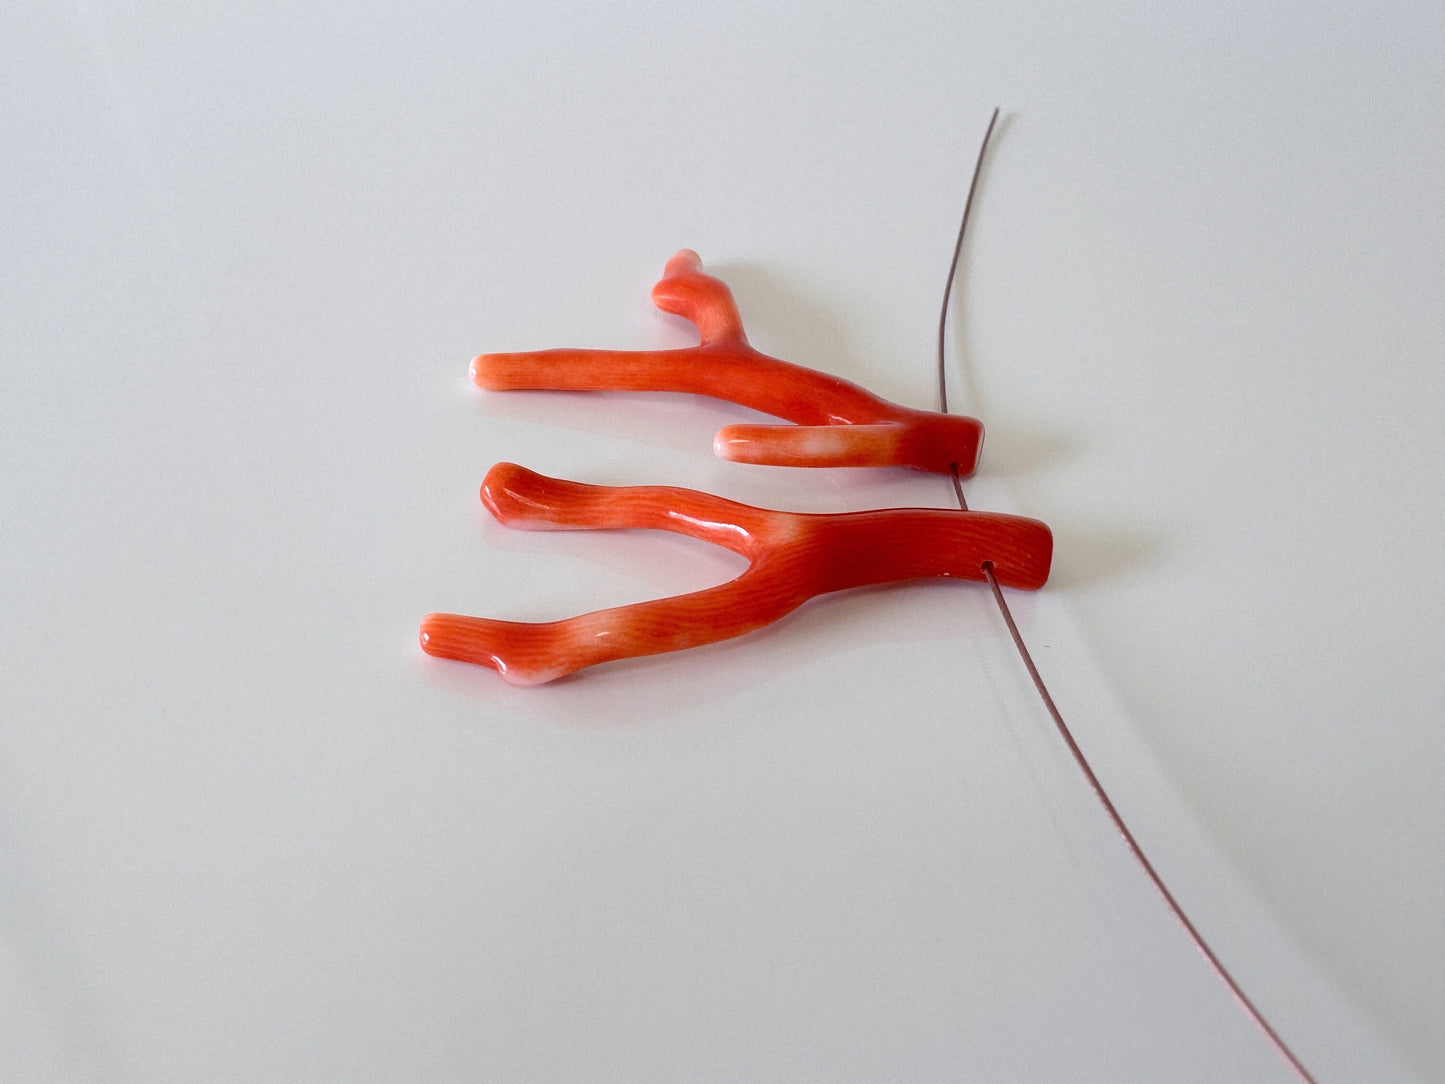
x=1078, y=754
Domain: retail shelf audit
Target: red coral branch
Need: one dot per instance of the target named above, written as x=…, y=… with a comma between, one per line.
x=838, y=424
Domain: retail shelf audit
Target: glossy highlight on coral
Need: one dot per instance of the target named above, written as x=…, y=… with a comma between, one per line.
x=792, y=557
x=839, y=424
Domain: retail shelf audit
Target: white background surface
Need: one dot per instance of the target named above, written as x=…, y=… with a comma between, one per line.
x=248, y=831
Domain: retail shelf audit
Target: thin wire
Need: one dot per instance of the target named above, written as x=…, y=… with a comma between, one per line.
x=953, y=270
x=948, y=291
x=1132, y=843
x=1078, y=754
x=957, y=486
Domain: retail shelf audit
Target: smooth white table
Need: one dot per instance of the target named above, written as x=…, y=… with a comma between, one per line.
x=249, y=832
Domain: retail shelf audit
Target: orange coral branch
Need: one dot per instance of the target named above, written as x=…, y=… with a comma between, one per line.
x=838, y=424
x=792, y=557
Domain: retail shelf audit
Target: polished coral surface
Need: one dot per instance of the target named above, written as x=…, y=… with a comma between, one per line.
x=839, y=424
x=792, y=557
